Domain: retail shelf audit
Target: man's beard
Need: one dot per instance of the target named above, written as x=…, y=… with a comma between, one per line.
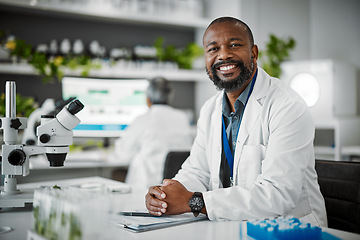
x=235, y=84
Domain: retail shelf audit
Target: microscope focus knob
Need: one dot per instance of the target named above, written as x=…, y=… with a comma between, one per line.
x=45, y=138
x=17, y=157
x=15, y=123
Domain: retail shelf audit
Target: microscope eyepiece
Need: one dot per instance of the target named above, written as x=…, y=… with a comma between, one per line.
x=75, y=107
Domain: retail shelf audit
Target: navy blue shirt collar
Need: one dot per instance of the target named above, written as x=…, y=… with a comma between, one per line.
x=240, y=101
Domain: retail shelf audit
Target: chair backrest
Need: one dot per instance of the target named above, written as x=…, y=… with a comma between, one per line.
x=340, y=185
x=173, y=163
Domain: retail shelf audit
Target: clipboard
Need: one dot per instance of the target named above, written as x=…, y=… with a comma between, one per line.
x=148, y=223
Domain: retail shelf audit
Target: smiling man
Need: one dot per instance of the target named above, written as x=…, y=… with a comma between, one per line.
x=253, y=155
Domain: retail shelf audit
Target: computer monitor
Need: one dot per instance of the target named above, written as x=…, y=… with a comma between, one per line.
x=111, y=105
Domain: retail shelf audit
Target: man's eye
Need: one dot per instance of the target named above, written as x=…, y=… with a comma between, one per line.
x=235, y=45
x=212, y=49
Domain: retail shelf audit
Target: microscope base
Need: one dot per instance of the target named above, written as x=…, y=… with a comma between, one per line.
x=16, y=200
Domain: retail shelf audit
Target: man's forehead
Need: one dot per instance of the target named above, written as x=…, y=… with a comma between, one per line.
x=230, y=32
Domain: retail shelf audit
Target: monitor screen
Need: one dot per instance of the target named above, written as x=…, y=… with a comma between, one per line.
x=110, y=105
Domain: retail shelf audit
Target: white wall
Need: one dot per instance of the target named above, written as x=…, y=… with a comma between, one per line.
x=323, y=29
x=216, y=8
x=335, y=30
x=335, y=33
x=283, y=18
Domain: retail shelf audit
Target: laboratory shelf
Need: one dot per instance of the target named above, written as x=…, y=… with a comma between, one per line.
x=105, y=13
x=114, y=72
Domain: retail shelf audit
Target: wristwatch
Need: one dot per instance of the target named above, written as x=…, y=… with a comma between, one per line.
x=196, y=203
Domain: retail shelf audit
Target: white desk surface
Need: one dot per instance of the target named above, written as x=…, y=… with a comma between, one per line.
x=21, y=219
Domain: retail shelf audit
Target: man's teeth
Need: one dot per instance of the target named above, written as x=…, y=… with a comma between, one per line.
x=224, y=68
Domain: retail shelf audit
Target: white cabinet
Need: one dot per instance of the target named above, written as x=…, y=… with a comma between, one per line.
x=330, y=89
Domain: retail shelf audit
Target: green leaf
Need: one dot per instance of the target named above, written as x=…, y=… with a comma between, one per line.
x=277, y=50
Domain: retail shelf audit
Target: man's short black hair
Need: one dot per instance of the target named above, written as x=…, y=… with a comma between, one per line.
x=235, y=21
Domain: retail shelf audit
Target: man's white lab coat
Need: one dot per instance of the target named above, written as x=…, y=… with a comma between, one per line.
x=147, y=141
x=274, y=158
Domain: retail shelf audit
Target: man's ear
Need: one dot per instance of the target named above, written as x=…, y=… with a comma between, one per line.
x=255, y=52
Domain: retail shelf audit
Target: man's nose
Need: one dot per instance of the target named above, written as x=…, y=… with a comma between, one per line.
x=224, y=54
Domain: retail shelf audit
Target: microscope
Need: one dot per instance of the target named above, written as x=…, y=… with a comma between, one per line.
x=54, y=135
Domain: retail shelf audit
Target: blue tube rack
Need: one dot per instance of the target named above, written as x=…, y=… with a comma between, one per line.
x=283, y=228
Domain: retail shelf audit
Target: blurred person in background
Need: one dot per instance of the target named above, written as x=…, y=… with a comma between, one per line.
x=150, y=137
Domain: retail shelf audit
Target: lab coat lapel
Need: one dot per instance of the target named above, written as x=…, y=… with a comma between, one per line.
x=217, y=143
x=251, y=115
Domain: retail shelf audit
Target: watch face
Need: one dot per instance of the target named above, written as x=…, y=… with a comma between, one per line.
x=196, y=204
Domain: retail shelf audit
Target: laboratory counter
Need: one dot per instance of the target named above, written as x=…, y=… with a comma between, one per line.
x=20, y=219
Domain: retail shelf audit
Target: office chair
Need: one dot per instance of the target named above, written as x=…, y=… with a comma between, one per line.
x=173, y=163
x=340, y=185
